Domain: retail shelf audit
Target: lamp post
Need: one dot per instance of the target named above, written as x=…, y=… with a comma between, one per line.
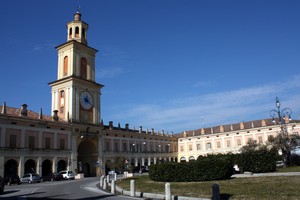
x=283, y=139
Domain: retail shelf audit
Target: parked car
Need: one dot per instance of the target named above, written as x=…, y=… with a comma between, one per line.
x=2, y=185
x=279, y=163
x=52, y=177
x=31, y=178
x=67, y=174
x=12, y=179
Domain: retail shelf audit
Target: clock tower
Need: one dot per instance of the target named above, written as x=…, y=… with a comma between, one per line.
x=75, y=94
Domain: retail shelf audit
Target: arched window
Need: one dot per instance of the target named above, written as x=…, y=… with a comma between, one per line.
x=70, y=33
x=191, y=158
x=83, y=33
x=77, y=31
x=182, y=159
x=83, y=68
x=66, y=66
x=62, y=101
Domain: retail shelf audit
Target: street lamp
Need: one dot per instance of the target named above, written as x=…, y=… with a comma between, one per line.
x=283, y=138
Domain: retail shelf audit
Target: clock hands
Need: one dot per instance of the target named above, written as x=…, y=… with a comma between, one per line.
x=86, y=99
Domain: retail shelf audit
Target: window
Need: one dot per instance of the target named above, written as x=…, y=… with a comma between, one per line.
x=62, y=101
x=218, y=144
x=83, y=68
x=228, y=143
x=47, y=143
x=116, y=147
x=260, y=139
x=13, y=141
x=31, y=142
x=65, y=66
x=124, y=147
x=107, y=148
x=62, y=144
x=270, y=138
x=208, y=145
x=181, y=148
x=70, y=32
x=198, y=147
x=190, y=147
x=77, y=31
x=239, y=143
x=83, y=33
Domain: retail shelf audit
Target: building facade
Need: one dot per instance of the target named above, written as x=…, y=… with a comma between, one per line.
x=229, y=138
x=74, y=137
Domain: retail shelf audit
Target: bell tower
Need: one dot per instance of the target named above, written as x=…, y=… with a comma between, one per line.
x=75, y=94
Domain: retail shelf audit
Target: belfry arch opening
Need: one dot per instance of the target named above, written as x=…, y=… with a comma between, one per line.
x=87, y=157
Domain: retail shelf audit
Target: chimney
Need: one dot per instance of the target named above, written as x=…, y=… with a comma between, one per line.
x=127, y=127
x=119, y=126
x=23, y=110
x=202, y=131
x=263, y=123
x=111, y=125
x=222, y=129
x=41, y=114
x=152, y=131
x=55, y=116
x=141, y=129
x=242, y=125
x=4, y=108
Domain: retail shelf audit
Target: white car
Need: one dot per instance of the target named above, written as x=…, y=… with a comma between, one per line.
x=67, y=174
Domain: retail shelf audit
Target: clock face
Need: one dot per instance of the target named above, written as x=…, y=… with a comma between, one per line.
x=86, y=100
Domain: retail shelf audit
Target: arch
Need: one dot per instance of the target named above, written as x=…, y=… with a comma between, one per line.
x=83, y=68
x=77, y=31
x=182, y=159
x=83, y=33
x=70, y=32
x=191, y=158
x=61, y=165
x=11, y=167
x=46, y=167
x=87, y=157
x=66, y=62
x=30, y=166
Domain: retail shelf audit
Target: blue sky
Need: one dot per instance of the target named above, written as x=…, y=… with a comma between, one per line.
x=171, y=65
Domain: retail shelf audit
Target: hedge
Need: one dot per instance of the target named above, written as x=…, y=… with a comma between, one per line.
x=212, y=167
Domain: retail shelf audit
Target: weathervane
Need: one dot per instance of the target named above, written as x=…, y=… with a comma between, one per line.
x=78, y=7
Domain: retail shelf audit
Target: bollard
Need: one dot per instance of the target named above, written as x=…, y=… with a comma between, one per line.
x=132, y=188
x=168, y=195
x=101, y=181
x=104, y=184
x=115, y=176
x=107, y=178
x=215, y=192
x=113, y=187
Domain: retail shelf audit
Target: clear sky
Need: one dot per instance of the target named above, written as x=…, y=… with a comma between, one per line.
x=171, y=65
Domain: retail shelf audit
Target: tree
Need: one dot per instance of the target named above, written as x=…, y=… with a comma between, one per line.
x=284, y=143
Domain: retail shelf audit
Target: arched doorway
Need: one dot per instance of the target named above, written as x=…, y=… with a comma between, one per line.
x=108, y=166
x=87, y=157
x=11, y=167
x=61, y=165
x=30, y=166
x=182, y=159
x=46, y=167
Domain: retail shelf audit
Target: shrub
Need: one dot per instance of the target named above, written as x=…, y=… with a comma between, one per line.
x=212, y=167
x=258, y=161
